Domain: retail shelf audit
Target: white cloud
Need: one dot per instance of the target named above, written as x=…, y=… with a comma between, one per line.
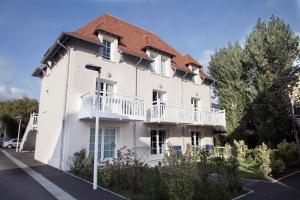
x=7, y=91
x=205, y=57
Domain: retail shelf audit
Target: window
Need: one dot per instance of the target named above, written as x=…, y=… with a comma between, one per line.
x=195, y=138
x=152, y=64
x=106, y=49
x=158, y=138
x=106, y=143
x=163, y=67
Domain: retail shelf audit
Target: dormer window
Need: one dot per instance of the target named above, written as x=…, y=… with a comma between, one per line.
x=152, y=64
x=163, y=67
x=106, y=50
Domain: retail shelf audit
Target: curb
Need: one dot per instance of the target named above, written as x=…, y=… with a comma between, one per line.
x=107, y=190
x=238, y=197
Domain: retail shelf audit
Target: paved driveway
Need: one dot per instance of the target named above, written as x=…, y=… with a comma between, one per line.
x=16, y=184
x=286, y=188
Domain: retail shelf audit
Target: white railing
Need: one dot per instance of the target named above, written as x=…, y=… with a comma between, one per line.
x=160, y=112
x=113, y=106
x=31, y=126
x=131, y=108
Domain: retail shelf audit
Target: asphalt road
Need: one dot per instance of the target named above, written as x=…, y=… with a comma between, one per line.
x=16, y=184
x=288, y=188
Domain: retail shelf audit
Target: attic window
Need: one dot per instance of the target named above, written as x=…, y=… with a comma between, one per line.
x=106, y=50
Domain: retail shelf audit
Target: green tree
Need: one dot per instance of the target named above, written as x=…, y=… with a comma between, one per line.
x=226, y=67
x=254, y=82
x=270, y=50
x=9, y=110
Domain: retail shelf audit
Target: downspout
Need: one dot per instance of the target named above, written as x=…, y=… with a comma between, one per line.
x=182, y=88
x=182, y=127
x=134, y=124
x=63, y=128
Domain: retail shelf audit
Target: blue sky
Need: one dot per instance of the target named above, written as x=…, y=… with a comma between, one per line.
x=28, y=28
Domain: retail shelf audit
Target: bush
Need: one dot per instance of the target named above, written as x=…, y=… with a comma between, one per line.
x=220, y=140
x=288, y=153
x=263, y=158
x=82, y=165
x=241, y=149
x=277, y=166
x=196, y=175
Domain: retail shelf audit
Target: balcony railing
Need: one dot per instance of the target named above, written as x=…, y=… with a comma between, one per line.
x=161, y=112
x=115, y=106
x=112, y=106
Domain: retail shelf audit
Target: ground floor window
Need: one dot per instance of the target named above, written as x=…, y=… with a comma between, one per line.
x=195, y=138
x=158, y=138
x=106, y=144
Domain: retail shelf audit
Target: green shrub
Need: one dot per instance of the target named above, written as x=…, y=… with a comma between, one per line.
x=196, y=175
x=263, y=158
x=288, y=153
x=220, y=140
x=277, y=166
x=82, y=165
x=181, y=170
x=241, y=149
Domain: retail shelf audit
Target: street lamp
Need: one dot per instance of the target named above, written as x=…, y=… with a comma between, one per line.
x=20, y=120
x=95, y=174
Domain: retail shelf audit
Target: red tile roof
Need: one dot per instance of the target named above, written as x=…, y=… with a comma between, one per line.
x=187, y=59
x=133, y=39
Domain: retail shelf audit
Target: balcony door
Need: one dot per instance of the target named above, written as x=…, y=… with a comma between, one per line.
x=195, y=107
x=196, y=139
x=106, y=90
x=158, y=101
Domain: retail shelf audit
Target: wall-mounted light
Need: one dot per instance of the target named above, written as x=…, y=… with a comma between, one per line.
x=109, y=75
x=196, y=94
x=160, y=86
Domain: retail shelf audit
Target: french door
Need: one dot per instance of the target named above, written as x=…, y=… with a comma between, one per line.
x=106, y=143
x=196, y=138
x=158, y=138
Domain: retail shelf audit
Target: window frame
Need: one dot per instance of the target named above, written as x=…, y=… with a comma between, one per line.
x=101, y=143
x=157, y=141
x=196, y=138
x=106, y=49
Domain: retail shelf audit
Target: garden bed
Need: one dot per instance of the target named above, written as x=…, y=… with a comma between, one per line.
x=196, y=176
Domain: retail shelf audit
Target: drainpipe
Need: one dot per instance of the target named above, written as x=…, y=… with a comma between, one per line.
x=63, y=127
x=134, y=124
x=182, y=128
x=182, y=88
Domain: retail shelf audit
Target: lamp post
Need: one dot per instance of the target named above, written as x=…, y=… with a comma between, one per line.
x=20, y=120
x=95, y=174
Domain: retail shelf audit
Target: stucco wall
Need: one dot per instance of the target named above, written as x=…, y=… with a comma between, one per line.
x=122, y=73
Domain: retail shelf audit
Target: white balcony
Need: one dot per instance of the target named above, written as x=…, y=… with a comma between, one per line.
x=130, y=108
x=112, y=107
x=187, y=115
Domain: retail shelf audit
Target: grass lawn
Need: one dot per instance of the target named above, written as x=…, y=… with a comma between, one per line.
x=249, y=170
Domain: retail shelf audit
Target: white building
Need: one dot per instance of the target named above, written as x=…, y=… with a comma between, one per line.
x=151, y=95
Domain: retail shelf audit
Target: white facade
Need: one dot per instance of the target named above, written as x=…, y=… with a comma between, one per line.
x=128, y=116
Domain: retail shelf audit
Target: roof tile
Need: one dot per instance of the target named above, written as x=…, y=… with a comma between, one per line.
x=133, y=39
